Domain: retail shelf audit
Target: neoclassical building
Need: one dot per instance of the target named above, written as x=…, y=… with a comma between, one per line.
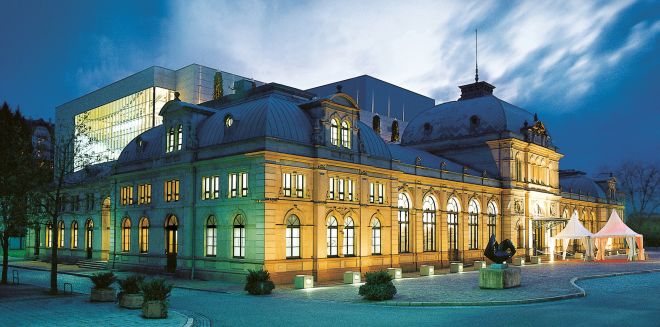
x=279, y=178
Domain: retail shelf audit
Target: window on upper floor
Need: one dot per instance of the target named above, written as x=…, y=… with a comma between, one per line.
x=172, y=190
x=238, y=185
x=210, y=187
x=144, y=194
x=345, y=134
x=286, y=184
x=174, y=138
x=334, y=132
x=341, y=189
x=376, y=192
x=331, y=188
x=300, y=185
x=126, y=195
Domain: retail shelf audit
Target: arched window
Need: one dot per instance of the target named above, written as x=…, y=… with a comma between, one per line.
x=211, y=236
x=60, y=234
x=492, y=219
x=375, y=124
x=171, y=232
x=239, y=237
x=170, y=139
x=126, y=235
x=345, y=134
x=49, y=234
x=293, y=237
x=74, y=235
x=452, y=227
x=375, y=236
x=89, y=231
x=334, y=132
x=144, y=235
x=349, y=237
x=332, y=237
x=428, y=223
x=404, y=223
x=395, y=131
x=473, y=224
x=179, y=137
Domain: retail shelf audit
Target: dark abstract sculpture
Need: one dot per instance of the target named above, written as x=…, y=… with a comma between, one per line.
x=499, y=253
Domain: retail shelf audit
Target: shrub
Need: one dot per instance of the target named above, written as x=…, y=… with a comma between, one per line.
x=103, y=280
x=131, y=285
x=156, y=290
x=258, y=282
x=378, y=287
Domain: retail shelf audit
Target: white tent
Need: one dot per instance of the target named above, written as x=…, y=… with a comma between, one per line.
x=615, y=227
x=574, y=230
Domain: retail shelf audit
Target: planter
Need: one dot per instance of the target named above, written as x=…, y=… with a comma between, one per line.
x=455, y=267
x=103, y=295
x=396, y=273
x=131, y=301
x=154, y=309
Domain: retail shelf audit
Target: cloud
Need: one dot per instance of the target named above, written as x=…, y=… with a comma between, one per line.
x=426, y=46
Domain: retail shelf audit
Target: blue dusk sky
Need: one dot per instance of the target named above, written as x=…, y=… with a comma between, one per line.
x=589, y=69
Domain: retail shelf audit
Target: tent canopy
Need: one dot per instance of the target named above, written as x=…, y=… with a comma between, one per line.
x=574, y=229
x=615, y=227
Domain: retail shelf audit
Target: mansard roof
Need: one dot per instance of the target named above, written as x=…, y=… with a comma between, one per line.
x=574, y=181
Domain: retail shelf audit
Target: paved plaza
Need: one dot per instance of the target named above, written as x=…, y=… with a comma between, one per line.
x=608, y=301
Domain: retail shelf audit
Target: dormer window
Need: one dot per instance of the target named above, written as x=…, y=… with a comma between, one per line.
x=334, y=132
x=175, y=138
x=345, y=134
x=229, y=120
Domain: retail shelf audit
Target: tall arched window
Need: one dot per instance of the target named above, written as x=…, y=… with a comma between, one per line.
x=144, y=235
x=293, y=237
x=239, y=237
x=179, y=137
x=49, y=234
x=452, y=228
x=492, y=219
x=60, y=234
x=345, y=134
x=126, y=235
x=349, y=237
x=404, y=223
x=211, y=236
x=331, y=233
x=171, y=233
x=74, y=235
x=334, y=132
x=473, y=224
x=428, y=223
x=375, y=236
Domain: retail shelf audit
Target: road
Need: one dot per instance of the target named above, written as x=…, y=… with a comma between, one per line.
x=610, y=301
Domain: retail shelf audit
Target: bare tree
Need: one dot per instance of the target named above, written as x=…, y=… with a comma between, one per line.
x=73, y=150
x=641, y=184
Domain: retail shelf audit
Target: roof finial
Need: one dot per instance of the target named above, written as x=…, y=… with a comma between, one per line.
x=476, y=54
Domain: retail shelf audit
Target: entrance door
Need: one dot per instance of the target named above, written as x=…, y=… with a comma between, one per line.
x=89, y=238
x=171, y=245
x=452, y=229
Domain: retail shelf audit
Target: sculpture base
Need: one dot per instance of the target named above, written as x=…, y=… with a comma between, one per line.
x=499, y=278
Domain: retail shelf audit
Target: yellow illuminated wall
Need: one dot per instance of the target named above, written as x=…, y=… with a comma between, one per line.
x=113, y=125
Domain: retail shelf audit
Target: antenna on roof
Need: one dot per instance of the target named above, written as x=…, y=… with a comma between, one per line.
x=388, y=106
x=372, y=101
x=404, y=113
x=476, y=55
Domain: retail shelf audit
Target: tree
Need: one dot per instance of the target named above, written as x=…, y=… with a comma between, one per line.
x=73, y=150
x=16, y=172
x=641, y=184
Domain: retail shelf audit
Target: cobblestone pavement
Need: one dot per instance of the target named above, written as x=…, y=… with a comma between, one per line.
x=27, y=305
x=538, y=281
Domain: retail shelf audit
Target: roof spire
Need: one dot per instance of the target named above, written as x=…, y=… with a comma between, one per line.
x=476, y=55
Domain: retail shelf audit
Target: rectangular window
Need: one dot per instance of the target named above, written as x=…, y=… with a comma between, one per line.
x=172, y=190
x=286, y=184
x=233, y=185
x=331, y=188
x=300, y=185
x=144, y=194
x=126, y=194
x=349, y=185
x=341, y=188
x=381, y=193
x=372, y=192
x=210, y=187
x=244, y=184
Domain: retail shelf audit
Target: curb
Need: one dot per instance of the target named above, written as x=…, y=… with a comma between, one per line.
x=581, y=293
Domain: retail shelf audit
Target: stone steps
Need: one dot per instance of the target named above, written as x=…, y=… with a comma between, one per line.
x=92, y=265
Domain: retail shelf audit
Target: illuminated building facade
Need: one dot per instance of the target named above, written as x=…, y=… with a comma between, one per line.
x=281, y=178
x=115, y=114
